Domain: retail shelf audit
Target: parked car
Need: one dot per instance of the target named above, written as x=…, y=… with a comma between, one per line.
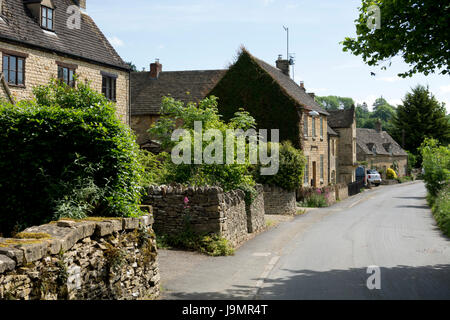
x=373, y=177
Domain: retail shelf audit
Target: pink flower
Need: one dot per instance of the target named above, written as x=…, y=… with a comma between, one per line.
x=319, y=191
x=186, y=201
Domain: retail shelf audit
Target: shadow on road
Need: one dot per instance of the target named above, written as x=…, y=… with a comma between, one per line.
x=415, y=207
x=401, y=282
x=411, y=198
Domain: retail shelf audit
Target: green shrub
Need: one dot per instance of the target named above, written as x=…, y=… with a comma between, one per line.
x=65, y=153
x=390, y=174
x=227, y=176
x=315, y=200
x=441, y=210
x=291, y=168
x=436, y=164
x=210, y=244
x=155, y=168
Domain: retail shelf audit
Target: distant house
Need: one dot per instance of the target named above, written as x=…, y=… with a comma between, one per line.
x=265, y=91
x=344, y=123
x=380, y=151
x=37, y=44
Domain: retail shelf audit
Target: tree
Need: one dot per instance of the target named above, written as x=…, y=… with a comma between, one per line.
x=335, y=102
x=418, y=30
x=421, y=116
x=132, y=66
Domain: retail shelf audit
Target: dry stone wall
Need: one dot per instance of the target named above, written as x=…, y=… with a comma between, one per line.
x=279, y=201
x=102, y=258
x=205, y=210
x=255, y=212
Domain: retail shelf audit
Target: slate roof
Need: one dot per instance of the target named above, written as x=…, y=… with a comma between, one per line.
x=291, y=87
x=87, y=43
x=341, y=118
x=331, y=132
x=146, y=92
x=381, y=140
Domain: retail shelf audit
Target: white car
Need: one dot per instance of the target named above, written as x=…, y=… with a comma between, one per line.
x=373, y=177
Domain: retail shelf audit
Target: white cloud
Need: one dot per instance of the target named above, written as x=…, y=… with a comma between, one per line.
x=116, y=42
x=161, y=46
x=445, y=89
x=267, y=2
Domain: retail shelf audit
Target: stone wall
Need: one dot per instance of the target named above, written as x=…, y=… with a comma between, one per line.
x=96, y=258
x=341, y=191
x=41, y=66
x=279, y=201
x=255, y=212
x=208, y=210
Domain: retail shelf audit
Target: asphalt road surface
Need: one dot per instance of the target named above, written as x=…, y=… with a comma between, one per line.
x=325, y=254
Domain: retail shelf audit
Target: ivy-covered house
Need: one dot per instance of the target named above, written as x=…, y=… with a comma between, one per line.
x=265, y=91
x=277, y=102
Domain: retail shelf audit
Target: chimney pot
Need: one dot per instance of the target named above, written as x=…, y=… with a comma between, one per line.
x=302, y=85
x=283, y=65
x=82, y=4
x=155, y=69
x=378, y=126
x=312, y=95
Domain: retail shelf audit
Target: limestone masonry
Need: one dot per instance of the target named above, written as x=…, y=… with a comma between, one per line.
x=97, y=258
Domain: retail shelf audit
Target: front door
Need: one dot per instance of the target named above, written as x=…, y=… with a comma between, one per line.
x=314, y=172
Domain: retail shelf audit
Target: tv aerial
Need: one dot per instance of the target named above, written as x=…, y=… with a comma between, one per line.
x=290, y=56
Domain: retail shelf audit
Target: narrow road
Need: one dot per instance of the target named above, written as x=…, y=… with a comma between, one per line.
x=325, y=255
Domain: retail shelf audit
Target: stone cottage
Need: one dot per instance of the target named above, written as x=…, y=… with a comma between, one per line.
x=380, y=151
x=266, y=92
x=343, y=122
x=45, y=39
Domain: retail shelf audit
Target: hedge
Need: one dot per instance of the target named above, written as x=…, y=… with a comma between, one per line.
x=65, y=153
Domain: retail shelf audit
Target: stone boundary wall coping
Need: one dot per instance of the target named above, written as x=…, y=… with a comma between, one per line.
x=49, y=239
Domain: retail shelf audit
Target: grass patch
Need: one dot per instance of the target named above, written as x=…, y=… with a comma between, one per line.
x=314, y=200
x=270, y=223
x=300, y=212
x=440, y=206
x=210, y=244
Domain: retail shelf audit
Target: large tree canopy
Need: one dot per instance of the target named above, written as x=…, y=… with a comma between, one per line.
x=335, y=102
x=421, y=116
x=417, y=30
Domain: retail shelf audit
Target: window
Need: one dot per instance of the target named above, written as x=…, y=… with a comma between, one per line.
x=306, y=178
x=321, y=167
x=109, y=86
x=321, y=127
x=65, y=74
x=313, y=127
x=47, y=15
x=14, y=69
x=305, y=126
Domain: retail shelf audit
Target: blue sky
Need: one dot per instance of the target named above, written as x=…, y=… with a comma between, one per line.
x=206, y=34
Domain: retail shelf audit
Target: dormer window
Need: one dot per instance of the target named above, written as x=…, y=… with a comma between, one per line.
x=47, y=17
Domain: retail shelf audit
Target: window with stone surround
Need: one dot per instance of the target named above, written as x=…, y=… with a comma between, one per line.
x=109, y=85
x=305, y=126
x=47, y=18
x=321, y=127
x=66, y=74
x=306, y=178
x=321, y=167
x=313, y=127
x=14, y=69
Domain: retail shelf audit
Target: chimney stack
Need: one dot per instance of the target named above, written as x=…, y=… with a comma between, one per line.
x=82, y=4
x=283, y=65
x=378, y=127
x=302, y=85
x=155, y=69
x=312, y=95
